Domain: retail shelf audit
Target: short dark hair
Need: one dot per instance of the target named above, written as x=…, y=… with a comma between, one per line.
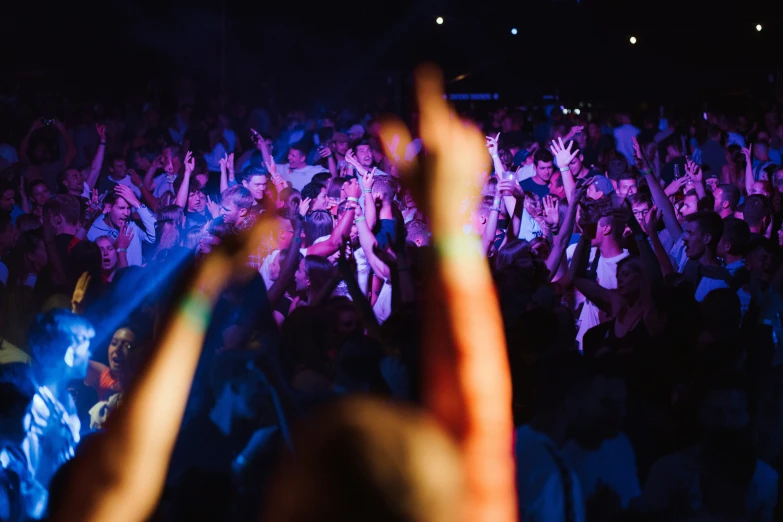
x=322, y=178
x=300, y=146
x=616, y=167
x=626, y=176
x=543, y=155
x=112, y=157
x=710, y=223
x=737, y=234
x=757, y=207
x=730, y=193
x=65, y=205
x=386, y=186
x=250, y=171
x=360, y=142
x=417, y=229
x=5, y=186
x=639, y=198
x=312, y=190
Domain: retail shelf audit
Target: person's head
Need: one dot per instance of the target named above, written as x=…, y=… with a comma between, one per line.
x=7, y=197
x=762, y=187
x=541, y=248
x=626, y=184
x=725, y=404
x=363, y=151
x=34, y=252
x=213, y=235
x=340, y=143
x=238, y=385
x=702, y=234
x=61, y=210
x=59, y=343
x=121, y=343
x=761, y=150
x=640, y=206
x=297, y=156
x=235, y=203
x=39, y=192
x=384, y=188
x=727, y=197
x=173, y=213
x=616, y=167
x=118, y=168
x=336, y=188
x=197, y=201
x=108, y=254
x=735, y=238
x=254, y=179
x=760, y=259
x=599, y=187
x=576, y=163
x=633, y=279
x=116, y=209
x=317, y=194
x=72, y=180
x=543, y=160
x=284, y=232
x=690, y=204
x=610, y=226
x=556, y=187
x=418, y=233
x=319, y=223
x=313, y=274
x=757, y=212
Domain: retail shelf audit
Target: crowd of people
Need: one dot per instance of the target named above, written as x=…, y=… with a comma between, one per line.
x=638, y=272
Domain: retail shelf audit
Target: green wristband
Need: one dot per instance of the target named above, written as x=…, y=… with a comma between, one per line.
x=197, y=309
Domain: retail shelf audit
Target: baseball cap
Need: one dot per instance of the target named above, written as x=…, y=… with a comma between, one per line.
x=602, y=184
x=340, y=137
x=521, y=157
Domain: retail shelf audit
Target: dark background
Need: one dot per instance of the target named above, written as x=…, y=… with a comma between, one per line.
x=314, y=53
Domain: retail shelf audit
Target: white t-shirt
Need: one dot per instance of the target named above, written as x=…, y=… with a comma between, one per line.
x=529, y=229
x=606, y=276
x=298, y=178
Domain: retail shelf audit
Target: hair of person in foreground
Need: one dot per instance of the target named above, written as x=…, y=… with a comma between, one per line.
x=369, y=460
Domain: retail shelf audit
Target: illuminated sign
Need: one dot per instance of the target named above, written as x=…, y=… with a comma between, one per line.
x=472, y=96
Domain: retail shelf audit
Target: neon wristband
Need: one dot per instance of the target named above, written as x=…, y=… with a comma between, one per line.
x=565, y=169
x=359, y=219
x=367, y=191
x=355, y=200
x=197, y=309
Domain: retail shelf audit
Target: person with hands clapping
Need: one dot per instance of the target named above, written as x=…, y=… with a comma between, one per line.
x=116, y=218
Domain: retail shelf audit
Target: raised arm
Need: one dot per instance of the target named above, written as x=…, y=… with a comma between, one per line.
x=184, y=189
x=560, y=242
x=70, y=148
x=749, y=179
x=97, y=160
x=468, y=386
x=341, y=230
x=659, y=197
x=563, y=157
x=120, y=476
x=696, y=176
x=147, y=230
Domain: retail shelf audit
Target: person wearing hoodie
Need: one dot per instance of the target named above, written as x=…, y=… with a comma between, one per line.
x=116, y=217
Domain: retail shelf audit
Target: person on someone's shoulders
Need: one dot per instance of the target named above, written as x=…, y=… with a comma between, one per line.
x=297, y=172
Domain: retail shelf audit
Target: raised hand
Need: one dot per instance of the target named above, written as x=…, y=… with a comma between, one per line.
x=101, y=129
x=222, y=163
x=350, y=158
x=693, y=171
x=230, y=164
x=124, y=238
x=190, y=163
x=492, y=145
x=563, y=155
x=367, y=178
x=353, y=190
x=304, y=206
x=748, y=153
x=135, y=178
x=271, y=167
x=651, y=220
x=127, y=194
x=551, y=214
x=325, y=152
x=214, y=208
